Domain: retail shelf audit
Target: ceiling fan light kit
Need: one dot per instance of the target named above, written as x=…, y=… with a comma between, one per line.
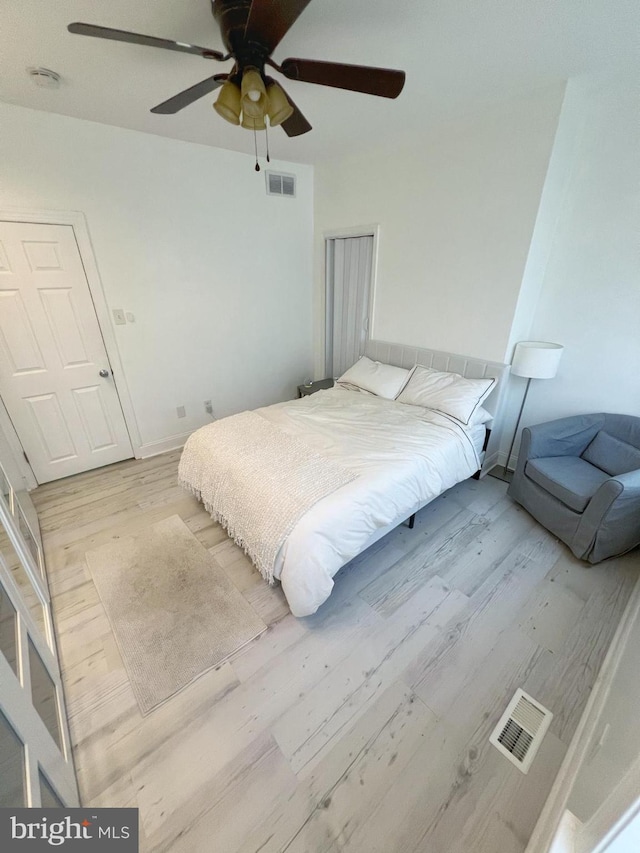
x=251, y=30
x=232, y=103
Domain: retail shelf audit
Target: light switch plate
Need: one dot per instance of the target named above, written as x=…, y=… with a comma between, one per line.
x=118, y=317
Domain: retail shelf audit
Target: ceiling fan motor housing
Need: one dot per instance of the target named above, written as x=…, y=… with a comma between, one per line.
x=231, y=16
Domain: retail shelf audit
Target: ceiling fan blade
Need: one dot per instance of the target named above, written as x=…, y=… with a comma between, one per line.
x=296, y=124
x=136, y=38
x=269, y=20
x=183, y=99
x=385, y=82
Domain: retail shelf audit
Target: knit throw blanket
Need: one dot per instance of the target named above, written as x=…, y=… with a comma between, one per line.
x=257, y=481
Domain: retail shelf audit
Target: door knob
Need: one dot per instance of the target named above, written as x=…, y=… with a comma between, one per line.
x=104, y=373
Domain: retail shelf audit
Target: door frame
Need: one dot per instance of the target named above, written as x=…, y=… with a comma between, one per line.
x=345, y=234
x=77, y=220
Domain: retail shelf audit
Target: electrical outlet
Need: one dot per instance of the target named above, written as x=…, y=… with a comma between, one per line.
x=181, y=412
x=118, y=317
x=208, y=407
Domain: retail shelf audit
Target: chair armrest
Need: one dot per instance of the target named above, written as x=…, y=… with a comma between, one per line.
x=614, y=512
x=564, y=437
x=630, y=482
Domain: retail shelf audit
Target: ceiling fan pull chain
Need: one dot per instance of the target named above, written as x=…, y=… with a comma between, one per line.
x=266, y=135
x=255, y=145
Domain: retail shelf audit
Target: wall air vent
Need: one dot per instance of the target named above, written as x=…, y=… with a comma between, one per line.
x=521, y=729
x=280, y=184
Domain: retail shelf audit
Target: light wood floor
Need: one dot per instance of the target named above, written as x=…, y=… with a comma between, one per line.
x=362, y=728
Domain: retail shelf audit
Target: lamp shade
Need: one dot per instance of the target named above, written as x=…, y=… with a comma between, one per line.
x=536, y=359
x=228, y=103
x=254, y=94
x=279, y=107
x=252, y=123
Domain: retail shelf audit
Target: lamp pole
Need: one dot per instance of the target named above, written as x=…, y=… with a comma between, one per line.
x=515, y=432
x=532, y=360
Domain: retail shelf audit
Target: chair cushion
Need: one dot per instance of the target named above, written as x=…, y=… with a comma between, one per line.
x=612, y=455
x=570, y=479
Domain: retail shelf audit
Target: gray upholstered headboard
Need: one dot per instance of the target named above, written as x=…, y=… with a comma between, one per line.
x=472, y=368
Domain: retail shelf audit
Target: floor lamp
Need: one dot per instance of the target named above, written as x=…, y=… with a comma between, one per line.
x=532, y=360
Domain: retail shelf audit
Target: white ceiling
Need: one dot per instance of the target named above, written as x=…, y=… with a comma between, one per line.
x=458, y=54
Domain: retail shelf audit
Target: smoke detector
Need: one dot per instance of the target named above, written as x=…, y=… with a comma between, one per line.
x=44, y=77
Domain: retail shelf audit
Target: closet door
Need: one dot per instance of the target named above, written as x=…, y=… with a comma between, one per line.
x=36, y=767
x=349, y=264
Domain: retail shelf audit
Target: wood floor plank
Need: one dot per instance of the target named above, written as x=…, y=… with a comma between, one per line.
x=348, y=785
x=489, y=614
x=389, y=591
x=484, y=554
x=479, y=496
x=443, y=786
x=260, y=653
x=308, y=729
x=565, y=680
x=269, y=602
x=113, y=738
x=502, y=811
x=231, y=805
x=551, y=615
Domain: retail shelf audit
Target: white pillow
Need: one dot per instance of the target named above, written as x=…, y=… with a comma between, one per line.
x=480, y=416
x=448, y=393
x=384, y=380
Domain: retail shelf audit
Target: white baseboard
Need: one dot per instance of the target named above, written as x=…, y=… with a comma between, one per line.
x=500, y=458
x=162, y=445
x=564, y=842
x=489, y=463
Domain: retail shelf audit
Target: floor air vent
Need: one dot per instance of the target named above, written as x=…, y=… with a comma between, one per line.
x=279, y=184
x=519, y=733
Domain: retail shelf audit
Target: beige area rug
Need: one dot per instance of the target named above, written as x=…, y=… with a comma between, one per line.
x=173, y=611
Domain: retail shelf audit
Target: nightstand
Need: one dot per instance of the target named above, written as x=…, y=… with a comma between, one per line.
x=312, y=387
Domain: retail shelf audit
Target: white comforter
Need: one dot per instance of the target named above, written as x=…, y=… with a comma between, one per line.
x=404, y=457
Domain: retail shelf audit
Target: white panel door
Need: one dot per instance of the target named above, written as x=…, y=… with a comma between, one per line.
x=55, y=378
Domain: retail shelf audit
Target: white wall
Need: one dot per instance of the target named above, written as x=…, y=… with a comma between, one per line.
x=217, y=273
x=590, y=290
x=456, y=209
x=563, y=160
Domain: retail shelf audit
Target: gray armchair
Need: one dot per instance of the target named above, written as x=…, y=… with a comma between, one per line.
x=580, y=478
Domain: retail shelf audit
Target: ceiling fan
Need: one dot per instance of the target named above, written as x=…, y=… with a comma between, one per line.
x=251, y=30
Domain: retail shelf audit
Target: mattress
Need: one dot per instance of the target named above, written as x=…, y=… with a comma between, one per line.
x=402, y=456
x=477, y=435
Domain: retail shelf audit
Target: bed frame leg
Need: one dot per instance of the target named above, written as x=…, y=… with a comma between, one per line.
x=412, y=521
x=476, y=476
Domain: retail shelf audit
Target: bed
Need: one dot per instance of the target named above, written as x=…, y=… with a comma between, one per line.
x=368, y=462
